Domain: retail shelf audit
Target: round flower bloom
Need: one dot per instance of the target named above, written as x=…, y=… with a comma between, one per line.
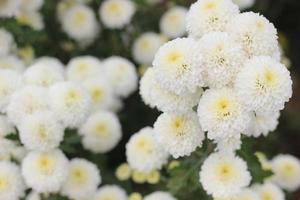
x=9, y=8
x=110, y=192
x=255, y=33
x=156, y=96
x=12, y=62
x=116, y=14
x=6, y=39
x=145, y=47
x=144, y=153
x=45, y=172
x=121, y=74
x=264, y=84
x=83, y=67
x=101, y=132
x=172, y=23
x=244, y=4
x=10, y=82
x=33, y=19
x=269, y=191
x=12, y=186
x=123, y=172
x=83, y=179
x=70, y=103
x=224, y=175
x=139, y=177
x=51, y=62
x=159, y=195
x=177, y=67
x=33, y=196
x=222, y=58
x=27, y=101
x=6, y=127
x=31, y=5
x=286, y=170
x=80, y=22
x=41, y=131
x=209, y=15
x=179, y=134
x=222, y=114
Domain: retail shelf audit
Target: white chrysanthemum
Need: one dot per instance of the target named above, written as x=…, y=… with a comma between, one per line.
x=145, y=47
x=112, y=192
x=6, y=40
x=246, y=194
x=12, y=186
x=83, y=67
x=286, y=170
x=173, y=22
x=222, y=114
x=51, y=62
x=244, y=4
x=156, y=96
x=33, y=196
x=6, y=127
x=143, y=152
x=264, y=84
x=269, y=191
x=228, y=145
x=224, y=175
x=27, y=101
x=41, y=131
x=12, y=62
x=31, y=5
x=101, y=132
x=209, y=15
x=83, y=179
x=179, y=134
x=80, y=22
x=9, y=8
x=34, y=19
x=116, y=13
x=177, y=66
x=159, y=195
x=121, y=74
x=255, y=33
x=45, y=172
x=222, y=58
x=70, y=103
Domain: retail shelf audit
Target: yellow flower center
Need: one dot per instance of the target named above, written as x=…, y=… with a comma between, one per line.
x=4, y=183
x=45, y=164
x=72, y=98
x=178, y=126
x=101, y=130
x=210, y=5
x=80, y=18
x=114, y=8
x=288, y=170
x=144, y=145
x=267, y=196
x=97, y=94
x=223, y=108
x=225, y=172
x=78, y=175
x=145, y=44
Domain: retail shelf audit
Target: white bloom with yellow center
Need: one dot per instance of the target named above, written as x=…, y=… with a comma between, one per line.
x=6, y=40
x=179, y=134
x=222, y=58
x=144, y=153
x=31, y=5
x=255, y=33
x=110, y=192
x=34, y=19
x=286, y=170
x=80, y=22
x=9, y=8
x=173, y=22
x=264, y=84
x=177, y=66
x=12, y=62
x=101, y=132
x=209, y=15
x=224, y=175
x=115, y=14
x=269, y=191
x=70, y=103
x=244, y=4
x=83, y=179
x=41, y=131
x=45, y=172
x=161, y=195
x=6, y=127
x=222, y=114
x=12, y=186
x=121, y=74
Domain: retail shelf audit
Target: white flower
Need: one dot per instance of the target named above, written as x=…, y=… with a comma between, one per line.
x=12, y=186
x=33, y=19
x=286, y=170
x=224, y=175
x=110, y=192
x=247, y=194
x=27, y=101
x=269, y=191
x=177, y=66
x=33, y=196
x=173, y=22
x=45, y=172
x=9, y=8
x=222, y=114
x=116, y=13
x=159, y=195
x=244, y=4
x=228, y=145
x=143, y=152
x=121, y=74
x=156, y=96
x=83, y=67
x=222, y=58
x=31, y=5
x=11, y=62
x=80, y=22
x=6, y=40
x=209, y=15
x=179, y=134
x=264, y=84
x=145, y=47
x=255, y=33
x=6, y=127
x=51, y=62
x=101, y=132
x=83, y=179
x=41, y=131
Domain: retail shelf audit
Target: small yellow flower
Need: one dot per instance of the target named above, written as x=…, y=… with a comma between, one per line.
x=139, y=177
x=123, y=172
x=27, y=54
x=135, y=196
x=173, y=164
x=153, y=177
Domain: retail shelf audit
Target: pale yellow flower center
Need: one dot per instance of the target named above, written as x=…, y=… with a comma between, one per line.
x=225, y=172
x=266, y=196
x=45, y=164
x=97, y=94
x=4, y=183
x=114, y=8
x=78, y=175
x=223, y=108
x=178, y=126
x=80, y=18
